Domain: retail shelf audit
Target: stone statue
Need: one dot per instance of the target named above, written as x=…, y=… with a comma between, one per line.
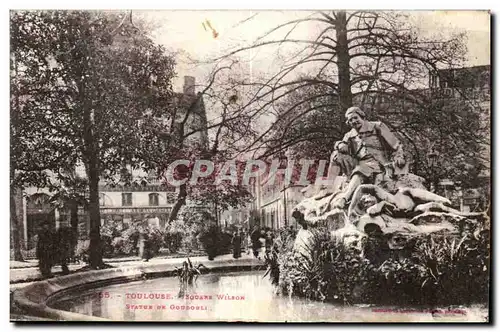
x=406, y=201
x=367, y=153
x=375, y=194
x=375, y=209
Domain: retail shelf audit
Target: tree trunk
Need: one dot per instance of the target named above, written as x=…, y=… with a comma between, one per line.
x=14, y=222
x=73, y=220
x=181, y=201
x=178, y=132
x=92, y=168
x=343, y=58
x=95, y=258
x=14, y=228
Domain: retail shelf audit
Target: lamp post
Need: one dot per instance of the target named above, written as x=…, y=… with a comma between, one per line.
x=284, y=206
x=458, y=188
x=288, y=154
x=432, y=157
x=285, y=199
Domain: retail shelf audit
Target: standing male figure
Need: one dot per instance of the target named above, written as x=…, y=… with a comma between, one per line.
x=64, y=247
x=45, y=249
x=236, y=242
x=366, y=152
x=254, y=236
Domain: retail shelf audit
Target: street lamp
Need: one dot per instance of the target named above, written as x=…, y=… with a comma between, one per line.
x=284, y=205
x=458, y=188
x=285, y=188
x=432, y=157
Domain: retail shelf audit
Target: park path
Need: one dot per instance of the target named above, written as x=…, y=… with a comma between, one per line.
x=23, y=273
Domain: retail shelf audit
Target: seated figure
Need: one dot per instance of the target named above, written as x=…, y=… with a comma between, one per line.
x=367, y=153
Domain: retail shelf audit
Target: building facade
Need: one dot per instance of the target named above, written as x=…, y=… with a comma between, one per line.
x=152, y=202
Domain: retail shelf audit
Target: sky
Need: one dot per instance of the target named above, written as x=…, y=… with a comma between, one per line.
x=187, y=33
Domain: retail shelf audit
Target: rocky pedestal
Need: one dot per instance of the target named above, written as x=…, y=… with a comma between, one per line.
x=394, y=212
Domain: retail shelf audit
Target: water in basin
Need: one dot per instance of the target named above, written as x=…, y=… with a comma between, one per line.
x=241, y=296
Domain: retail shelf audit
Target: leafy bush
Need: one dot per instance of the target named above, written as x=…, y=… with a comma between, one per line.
x=181, y=234
x=122, y=239
x=173, y=241
x=184, y=232
x=216, y=242
x=438, y=271
x=155, y=238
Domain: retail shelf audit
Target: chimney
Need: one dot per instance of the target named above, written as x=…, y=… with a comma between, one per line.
x=189, y=85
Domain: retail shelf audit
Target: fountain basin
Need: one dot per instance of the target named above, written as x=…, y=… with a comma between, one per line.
x=36, y=298
x=246, y=296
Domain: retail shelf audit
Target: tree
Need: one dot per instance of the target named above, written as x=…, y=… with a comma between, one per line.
x=206, y=192
x=449, y=146
x=379, y=61
x=351, y=57
x=305, y=124
x=86, y=80
x=191, y=136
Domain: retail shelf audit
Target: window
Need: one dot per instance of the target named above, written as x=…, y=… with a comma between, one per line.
x=127, y=199
x=153, y=199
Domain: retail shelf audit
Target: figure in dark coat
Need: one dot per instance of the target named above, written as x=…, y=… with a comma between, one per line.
x=144, y=244
x=64, y=247
x=45, y=249
x=236, y=242
x=255, y=241
x=269, y=241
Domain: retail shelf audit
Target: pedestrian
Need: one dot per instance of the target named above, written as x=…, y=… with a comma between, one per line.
x=144, y=244
x=248, y=242
x=236, y=242
x=262, y=245
x=44, y=249
x=291, y=233
x=269, y=241
x=254, y=237
x=64, y=247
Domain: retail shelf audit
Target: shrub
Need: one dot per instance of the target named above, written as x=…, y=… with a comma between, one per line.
x=185, y=232
x=439, y=271
x=155, y=238
x=173, y=241
x=122, y=239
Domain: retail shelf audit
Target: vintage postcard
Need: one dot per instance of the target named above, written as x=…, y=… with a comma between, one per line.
x=250, y=166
